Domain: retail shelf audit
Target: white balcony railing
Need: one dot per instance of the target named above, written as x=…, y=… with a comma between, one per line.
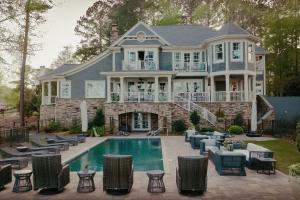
x=194, y=96
x=237, y=96
x=191, y=67
x=163, y=96
x=220, y=96
x=115, y=96
x=139, y=97
x=139, y=65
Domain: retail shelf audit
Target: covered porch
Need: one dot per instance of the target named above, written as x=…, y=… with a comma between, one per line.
x=139, y=87
x=232, y=88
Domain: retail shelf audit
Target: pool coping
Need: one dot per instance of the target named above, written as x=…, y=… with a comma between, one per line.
x=165, y=163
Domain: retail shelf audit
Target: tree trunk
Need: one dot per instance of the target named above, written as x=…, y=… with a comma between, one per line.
x=22, y=74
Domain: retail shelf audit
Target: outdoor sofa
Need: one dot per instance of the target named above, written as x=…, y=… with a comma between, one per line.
x=252, y=152
x=117, y=173
x=191, y=174
x=195, y=140
x=49, y=173
x=5, y=175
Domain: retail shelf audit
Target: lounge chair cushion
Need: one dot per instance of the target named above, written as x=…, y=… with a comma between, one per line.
x=243, y=151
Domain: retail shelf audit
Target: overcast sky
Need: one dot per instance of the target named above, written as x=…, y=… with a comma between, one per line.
x=58, y=30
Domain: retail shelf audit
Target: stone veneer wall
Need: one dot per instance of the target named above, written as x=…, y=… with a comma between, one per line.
x=65, y=110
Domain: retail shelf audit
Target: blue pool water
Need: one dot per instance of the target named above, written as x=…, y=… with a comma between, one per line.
x=146, y=154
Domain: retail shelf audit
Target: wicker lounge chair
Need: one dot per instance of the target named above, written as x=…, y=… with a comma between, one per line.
x=14, y=153
x=64, y=146
x=49, y=173
x=15, y=162
x=53, y=149
x=117, y=173
x=191, y=174
x=79, y=139
x=5, y=175
x=55, y=140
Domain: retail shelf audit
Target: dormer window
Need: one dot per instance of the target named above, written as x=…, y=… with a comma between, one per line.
x=218, y=53
x=236, y=51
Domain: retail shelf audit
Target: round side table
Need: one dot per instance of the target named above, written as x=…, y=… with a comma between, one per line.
x=156, y=183
x=22, y=181
x=86, y=181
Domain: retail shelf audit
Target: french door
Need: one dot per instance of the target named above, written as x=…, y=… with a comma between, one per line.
x=141, y=121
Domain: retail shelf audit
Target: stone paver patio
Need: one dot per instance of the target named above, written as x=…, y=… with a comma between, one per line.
x=252, y=186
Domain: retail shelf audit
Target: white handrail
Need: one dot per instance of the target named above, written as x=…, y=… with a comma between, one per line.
x=188, y=105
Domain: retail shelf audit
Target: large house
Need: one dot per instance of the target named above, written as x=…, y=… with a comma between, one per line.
x=154, y=75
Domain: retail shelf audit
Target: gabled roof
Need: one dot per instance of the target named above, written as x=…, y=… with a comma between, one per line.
x=184, y=35
x=59, y=70
x=232, y=29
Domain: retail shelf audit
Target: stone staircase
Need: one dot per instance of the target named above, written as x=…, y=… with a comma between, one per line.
x=190, y=106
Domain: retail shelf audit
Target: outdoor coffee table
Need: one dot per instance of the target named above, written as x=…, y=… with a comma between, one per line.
x=86, y=181
x=22, y=182
x=156, y=183
x=266, y=165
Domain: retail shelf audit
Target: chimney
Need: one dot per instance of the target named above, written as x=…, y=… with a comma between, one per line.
x=114, y=33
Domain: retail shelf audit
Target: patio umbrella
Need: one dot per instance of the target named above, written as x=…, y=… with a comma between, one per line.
x=84, y=117
x=254, y=117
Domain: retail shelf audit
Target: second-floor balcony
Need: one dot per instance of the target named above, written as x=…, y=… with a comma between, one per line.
x=139, y=65
x=191, y=67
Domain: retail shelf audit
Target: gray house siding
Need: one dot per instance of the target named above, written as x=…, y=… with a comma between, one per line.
x=146, y=42
x=140, y=28
x=219, y=66
x=119, y=57
x=165, y=61
x=91, y=73
x=236, y=65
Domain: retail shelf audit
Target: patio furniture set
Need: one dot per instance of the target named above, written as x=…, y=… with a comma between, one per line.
x=233, y=159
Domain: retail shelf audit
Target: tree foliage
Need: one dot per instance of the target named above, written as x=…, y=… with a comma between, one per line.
x=65, y=56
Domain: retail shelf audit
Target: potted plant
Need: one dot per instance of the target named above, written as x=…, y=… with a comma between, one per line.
x=294, y=177
x=220, y=114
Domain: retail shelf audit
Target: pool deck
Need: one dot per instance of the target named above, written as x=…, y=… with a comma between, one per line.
x=252, y=186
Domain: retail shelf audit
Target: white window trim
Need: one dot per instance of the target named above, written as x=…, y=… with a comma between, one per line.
x=253, y=52
x=61, y=95
x=214, y=53
x=241, y=51
x=95, y=96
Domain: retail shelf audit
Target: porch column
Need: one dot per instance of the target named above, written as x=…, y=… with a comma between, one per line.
x=108, y=90
x=212, y=89
x=246, y=87
x=227, y=77
x=43, y=92
x=57, y=89
x=205, y=80
x=121, y=89
x=254, y=88
x=156, y=89
x=49, y=92
x=169, y=88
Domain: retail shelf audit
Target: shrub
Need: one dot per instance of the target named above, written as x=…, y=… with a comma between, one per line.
x=235, y=129
x=195, y=119
x=99, y=119
x=220, y=113
x=294, y=170
x=298, y=136
x=238, y=120
x=99, y=130
x=75, y=126
x=207, y=129
x=179, y=126
x=53, y=126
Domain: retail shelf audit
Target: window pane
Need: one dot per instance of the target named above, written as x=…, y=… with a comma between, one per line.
x=203, y=56
x=65, y=89
x=236, y=50
x=186, y=57
x=132, y=57
x=196, y=57
x=219, y=51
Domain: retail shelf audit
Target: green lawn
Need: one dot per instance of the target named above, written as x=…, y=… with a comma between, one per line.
x=284, y=152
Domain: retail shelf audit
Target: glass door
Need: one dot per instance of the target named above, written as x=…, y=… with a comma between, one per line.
x=141, y=121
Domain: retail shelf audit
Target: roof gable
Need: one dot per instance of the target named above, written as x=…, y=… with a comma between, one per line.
x=232, y=29
x=140, y=28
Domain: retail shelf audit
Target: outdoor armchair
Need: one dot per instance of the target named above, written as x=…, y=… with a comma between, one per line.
x=195, y=140
x=117, y=172
x=5, y=175
x=230, y=163
x=191, y=174
x=48, y=172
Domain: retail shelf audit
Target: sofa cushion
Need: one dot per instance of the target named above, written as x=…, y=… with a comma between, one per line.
x=243, y=151
x=254, y=147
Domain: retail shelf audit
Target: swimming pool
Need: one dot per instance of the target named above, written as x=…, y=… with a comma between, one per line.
x=147, y=154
